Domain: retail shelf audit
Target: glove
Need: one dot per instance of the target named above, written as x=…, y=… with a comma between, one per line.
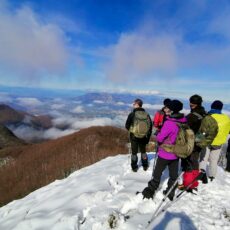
x=148, y=193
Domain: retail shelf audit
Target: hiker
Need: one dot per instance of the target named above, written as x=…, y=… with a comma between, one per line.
x=167, y=135
x=139, y=125
x=160, y=116
x=228, y=157
x=194, y=119
x=212, y=152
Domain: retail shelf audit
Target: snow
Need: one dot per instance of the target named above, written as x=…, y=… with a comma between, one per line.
x=103, y=196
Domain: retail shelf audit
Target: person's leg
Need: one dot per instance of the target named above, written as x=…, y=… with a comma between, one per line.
x=144, y=156
x=203, y=164
x=204, y=159
x=228, y=156
x=213, y=160
x=173, y=175
x=228, y=161
x=159, y=168
x=134, y=158
x=195, y=157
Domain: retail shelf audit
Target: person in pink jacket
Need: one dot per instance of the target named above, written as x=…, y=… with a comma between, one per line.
x=167, y=135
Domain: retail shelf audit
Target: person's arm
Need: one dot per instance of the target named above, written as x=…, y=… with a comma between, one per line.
x=163, y=134
x=129, y=121
x=150, y=129
x=156, y=120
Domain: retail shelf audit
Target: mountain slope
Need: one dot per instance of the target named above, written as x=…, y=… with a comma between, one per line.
x=36, y=165
x=102, y=196
x=10, y=116
x=8, y=139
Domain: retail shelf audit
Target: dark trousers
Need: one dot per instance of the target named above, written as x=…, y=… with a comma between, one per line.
x=161, y=164
x=228, y=156
x=136, y=145
x=191, y=162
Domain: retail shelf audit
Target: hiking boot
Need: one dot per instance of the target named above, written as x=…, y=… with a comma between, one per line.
x=203, y=177
x=145, y=167
x=135, y=168
x=211, y=178
x=148, y=193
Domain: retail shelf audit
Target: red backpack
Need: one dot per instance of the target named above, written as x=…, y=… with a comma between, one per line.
x=189, y=177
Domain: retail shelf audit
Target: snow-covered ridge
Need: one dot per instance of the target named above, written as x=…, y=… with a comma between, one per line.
x=103, y=196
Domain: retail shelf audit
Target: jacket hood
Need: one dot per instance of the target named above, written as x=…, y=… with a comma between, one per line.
x=179, y=117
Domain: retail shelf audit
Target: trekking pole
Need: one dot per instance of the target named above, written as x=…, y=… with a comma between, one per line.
x=178, y=196
x=155, y=158
x=163, y=200
x=129, y=151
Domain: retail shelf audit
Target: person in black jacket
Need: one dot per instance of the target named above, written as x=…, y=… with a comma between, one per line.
x=194, y=119
x=138, y=143
x=228, y=156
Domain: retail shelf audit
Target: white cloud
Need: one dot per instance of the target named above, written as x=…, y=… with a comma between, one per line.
x=120, y=103
x=139, y=54
x=54, y=133
x=98, y=102
x=30, y=45
x=80, y=124
x=150, y=106
x=57, y=106
x=29, y=101
x=78, y=109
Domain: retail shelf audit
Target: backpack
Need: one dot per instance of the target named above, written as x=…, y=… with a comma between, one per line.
x=207, y=132
x=141, y=124
x=189, y=177
x=184, y=142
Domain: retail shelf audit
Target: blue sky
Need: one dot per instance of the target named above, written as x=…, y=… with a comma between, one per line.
x=175, y=47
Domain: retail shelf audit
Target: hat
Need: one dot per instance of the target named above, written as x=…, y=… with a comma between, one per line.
x=175, y=106
x=196, y=99
x=166, y=102
x=217, y=105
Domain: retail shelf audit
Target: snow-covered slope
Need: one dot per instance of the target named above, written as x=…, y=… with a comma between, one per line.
x=103, y=196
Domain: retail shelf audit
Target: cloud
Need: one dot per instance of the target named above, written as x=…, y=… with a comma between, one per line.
x=30, y=134
x=29, y=101
x=85, y=123
x=54, y=133
x=78, y=109
x=98, y=102
x=154, y=107
x=138, y=54
x=57, y=106
x=31, y=46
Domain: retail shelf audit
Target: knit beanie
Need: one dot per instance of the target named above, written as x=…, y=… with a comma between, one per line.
x=217, y=105
x=175, y=106
x=166, y=102
x=196, y=99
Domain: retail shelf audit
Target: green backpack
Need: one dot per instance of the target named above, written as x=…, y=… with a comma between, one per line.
x=184, y=142
x=141, y=124
x=207, y=132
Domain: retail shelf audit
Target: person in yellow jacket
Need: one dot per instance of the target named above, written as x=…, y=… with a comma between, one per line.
x=212, y=152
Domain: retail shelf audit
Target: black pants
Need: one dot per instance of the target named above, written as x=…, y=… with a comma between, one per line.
x=136, y=145
x=228, y=156
x=161, y=164
x=191, y=162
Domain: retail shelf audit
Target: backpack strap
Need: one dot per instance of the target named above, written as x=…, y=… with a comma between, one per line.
x=200, y=117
